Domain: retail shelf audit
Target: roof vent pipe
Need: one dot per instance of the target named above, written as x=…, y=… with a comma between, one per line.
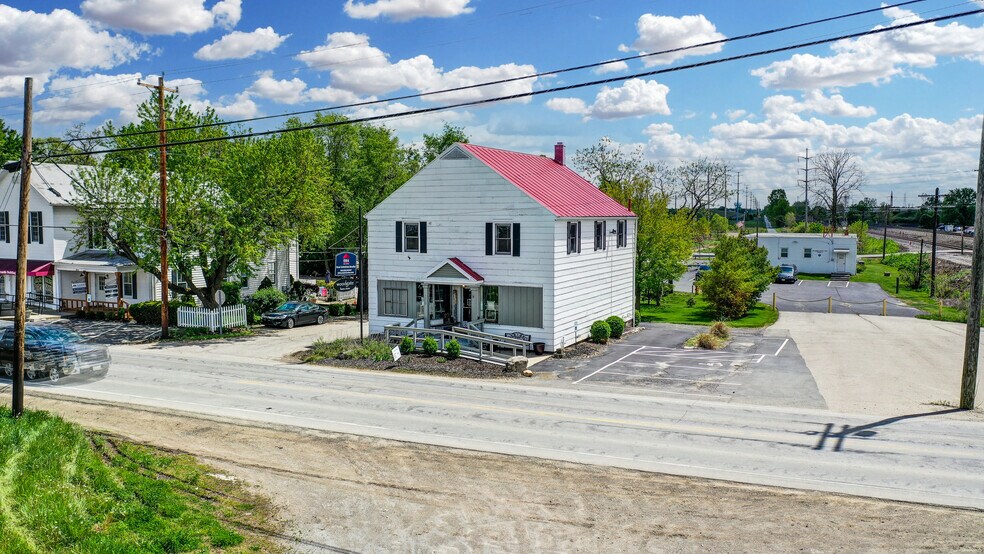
x=559, y=153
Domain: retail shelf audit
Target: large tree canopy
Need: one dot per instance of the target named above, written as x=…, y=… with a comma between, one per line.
x=10, y=143
x=229, y=202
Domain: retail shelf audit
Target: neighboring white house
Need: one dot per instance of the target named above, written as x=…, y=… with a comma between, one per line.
x=513, y=242
x=813, y=253
x=68, y=275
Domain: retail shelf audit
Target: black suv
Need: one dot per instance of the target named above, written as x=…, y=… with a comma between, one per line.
x=54, y=352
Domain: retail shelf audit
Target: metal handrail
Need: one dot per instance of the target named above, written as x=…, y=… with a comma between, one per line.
x=443, y=337
x=521, y=342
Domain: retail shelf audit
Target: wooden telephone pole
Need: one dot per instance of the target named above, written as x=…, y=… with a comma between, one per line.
x=162, y=125
x=20, y=293
x=968, y=383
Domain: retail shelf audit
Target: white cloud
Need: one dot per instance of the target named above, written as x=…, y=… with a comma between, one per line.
x=334, y=96
x=659, y=32
x=635, y=98
x=736, y=114
x=92, y=95
x=406, y=10
x=876, y=59
x=279, y=90
x=814, y=101
x=362, y=69
x=611, y=68
x=241, y=107
x=163, y=17
x=427, y=122
x=237, y=45
x=27, y=47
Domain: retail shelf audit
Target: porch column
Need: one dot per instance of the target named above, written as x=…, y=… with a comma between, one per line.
x=85, y=279
x=119, y=289
x=426, y=305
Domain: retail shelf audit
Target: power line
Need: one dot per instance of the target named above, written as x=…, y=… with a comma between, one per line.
x=528, y=76
x=420, y=111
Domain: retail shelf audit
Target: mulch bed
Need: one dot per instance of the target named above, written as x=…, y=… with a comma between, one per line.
x=431, y=365
x=583, y=349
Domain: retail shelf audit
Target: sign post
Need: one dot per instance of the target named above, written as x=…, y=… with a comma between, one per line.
x=220, y=298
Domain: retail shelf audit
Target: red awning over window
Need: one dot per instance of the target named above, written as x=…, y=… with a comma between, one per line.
x=35, y=268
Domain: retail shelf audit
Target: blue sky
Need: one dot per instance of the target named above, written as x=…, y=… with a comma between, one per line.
x=908, y=103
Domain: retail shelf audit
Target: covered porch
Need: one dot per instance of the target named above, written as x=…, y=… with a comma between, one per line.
x=95, y=280
x=450, y=295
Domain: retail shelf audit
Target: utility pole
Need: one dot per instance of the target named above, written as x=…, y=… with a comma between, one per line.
x=806, y=190
x=919, y=270
x=162, y=125
x=20, y=294
x=968, y=383
x=362, y=280
x=936, y=223
x=888, y=215
x=738, y=198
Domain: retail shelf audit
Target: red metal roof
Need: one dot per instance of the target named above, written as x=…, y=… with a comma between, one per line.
x=464, y=267
x=557, y=187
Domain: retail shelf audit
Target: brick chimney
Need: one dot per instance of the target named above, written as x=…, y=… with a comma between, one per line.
x=559, y=153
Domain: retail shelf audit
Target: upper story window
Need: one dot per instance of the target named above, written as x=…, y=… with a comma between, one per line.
x=807, y=252
x=503, y=239
x=622, y=236
x=411, y=236
x=784, y=252
x=4, y=226
x=573, y=237
x=35, y=228
x=599, y=235
x=96, y=236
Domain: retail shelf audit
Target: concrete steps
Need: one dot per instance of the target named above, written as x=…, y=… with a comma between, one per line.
x=840, y=276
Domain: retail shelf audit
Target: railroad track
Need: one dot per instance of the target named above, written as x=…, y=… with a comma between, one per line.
x=944, y=240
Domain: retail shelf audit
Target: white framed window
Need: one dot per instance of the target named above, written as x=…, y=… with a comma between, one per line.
x=35, y=228
x=395, y=302
x=130, y=285
x=573, y=237
x=807, y=252
x=4, y=226
x=411, y=236
x=490, y=304
x=622, y=236
x=784, y=252
x=599, y=235
x=503, y=239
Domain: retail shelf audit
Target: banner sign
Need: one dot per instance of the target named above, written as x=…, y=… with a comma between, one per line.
x=110, y=289
x=78, y=287
x=346, y=264
x=345, y=285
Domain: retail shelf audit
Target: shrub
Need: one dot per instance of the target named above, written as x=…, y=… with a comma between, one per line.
x=637, y=318
x=264, y=300
x=266, y=283
x=600, y=331
x=720, y=330
x=80, y=313
x=691, y=301
x=351, y=309
x=741, y=273
x=453, y=349
x=149, y=313
x=233, y=293
x=336, y=309
x=372, y=349
x=617, y=326
x=430, y=346
x=406, y=345
x=708, y=341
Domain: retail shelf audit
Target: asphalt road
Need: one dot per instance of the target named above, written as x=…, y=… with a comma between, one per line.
x=933, y=458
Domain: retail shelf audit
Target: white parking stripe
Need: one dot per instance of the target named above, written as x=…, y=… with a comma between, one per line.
x=609, y=365
x=781, y=347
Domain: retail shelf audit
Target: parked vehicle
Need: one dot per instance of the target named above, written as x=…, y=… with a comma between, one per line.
x=701, y=270
x=54, y=352
x=969, y=231
x=787, y=274
x=290, y=314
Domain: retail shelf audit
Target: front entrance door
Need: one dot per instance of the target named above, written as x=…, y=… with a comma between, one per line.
x=841, y=262
x=466, y=310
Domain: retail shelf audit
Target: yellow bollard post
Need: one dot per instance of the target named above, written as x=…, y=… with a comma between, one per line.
x=773, y=301
x=884, y=307
x=830, y=304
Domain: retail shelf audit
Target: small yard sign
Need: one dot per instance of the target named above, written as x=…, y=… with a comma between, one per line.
x=346, y=264
x=396, y=353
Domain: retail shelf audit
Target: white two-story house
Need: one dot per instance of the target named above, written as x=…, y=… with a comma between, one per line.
x=509, y=241
x=67, y=274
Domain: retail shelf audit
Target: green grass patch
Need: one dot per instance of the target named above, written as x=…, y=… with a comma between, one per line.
x=813, y=276
x=200, y=333
x=370, y=349
x=66, y=489
x=875, y=272
x=674, y=309
x=873, y=245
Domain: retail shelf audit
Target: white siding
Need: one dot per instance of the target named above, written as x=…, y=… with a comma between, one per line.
x=457, y=198
x=592, y=284
x=822, y=248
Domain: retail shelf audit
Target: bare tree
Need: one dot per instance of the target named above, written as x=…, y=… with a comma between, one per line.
x=837, y=175
x=608, y=166
x=701, y=183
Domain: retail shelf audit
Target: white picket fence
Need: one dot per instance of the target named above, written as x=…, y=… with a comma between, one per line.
x=232, y=316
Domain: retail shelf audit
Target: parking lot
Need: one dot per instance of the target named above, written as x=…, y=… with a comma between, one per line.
x=755, y=367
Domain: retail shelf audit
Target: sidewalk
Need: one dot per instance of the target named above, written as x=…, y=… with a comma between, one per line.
x=881, y=365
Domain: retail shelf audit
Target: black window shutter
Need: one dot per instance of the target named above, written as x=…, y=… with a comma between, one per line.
x=423, y=237
x=40, y=228
x=604, y=235
x=134, y=287
x=515, y=241
x=399, y=236
x=488, y=239
x=578, y=237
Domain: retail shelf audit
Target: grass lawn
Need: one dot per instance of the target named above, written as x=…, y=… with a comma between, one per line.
x=67, y=489
x=875, y=273
x=675, y=310
x=199, y=333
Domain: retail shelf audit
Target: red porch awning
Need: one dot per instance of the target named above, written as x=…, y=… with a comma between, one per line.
x=35, y=268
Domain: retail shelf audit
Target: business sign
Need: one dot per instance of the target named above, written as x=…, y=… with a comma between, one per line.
x=78, y=287
x=345, y=285
x=346, y=264
x=110, y=289
x=396, y=353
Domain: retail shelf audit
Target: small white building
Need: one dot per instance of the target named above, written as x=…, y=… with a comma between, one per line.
x=505, y=241
x=813, y=253
x=67, y=274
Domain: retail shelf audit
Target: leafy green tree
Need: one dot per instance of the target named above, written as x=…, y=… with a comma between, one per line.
x=789, y=219
x=10, y=144
x=740, y=273
x=719, y=225
x=961, y=204
x=777, y=207
x=229, y=202
x=865, y=210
